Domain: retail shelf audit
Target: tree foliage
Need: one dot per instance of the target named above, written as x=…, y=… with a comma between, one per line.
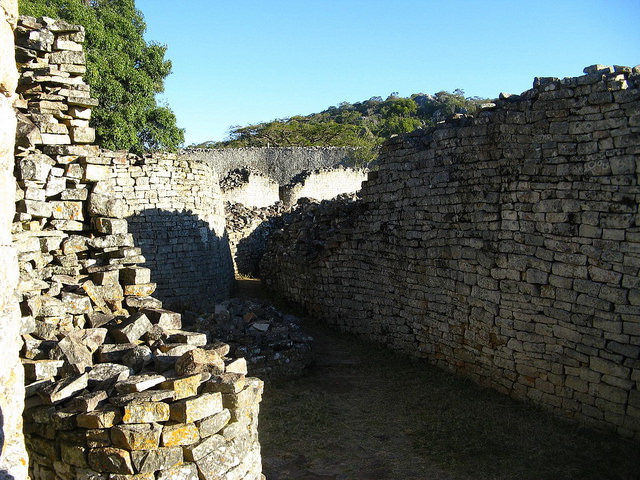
x=363, y=125
x=124, y=72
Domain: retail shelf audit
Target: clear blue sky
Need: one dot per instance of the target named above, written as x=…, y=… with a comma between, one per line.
x=237, y=62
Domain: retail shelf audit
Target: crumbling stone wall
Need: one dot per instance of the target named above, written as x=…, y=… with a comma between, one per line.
x=249, y=188
x=278, y=163
x=176, y=215
x=115, y=387
x=13, y=456
x=323, y=184
x=505, y=247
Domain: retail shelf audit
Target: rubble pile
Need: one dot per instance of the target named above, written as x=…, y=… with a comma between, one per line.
x=272, y=343
x=115, y=387
x=249, y=229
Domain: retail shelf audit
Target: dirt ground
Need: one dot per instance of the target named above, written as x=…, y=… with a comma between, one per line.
x=366, y=413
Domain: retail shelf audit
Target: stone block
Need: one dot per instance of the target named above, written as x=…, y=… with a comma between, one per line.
x=203, y=448
x=132, y=328
x=199, y=360
x=183, y=387
x=166, y=319
x=139, y=383
x=191, y=410
x=144, y=436
x=186, y=471
x=111, y=460
x=105, y=206
x=83, y=135
x=110, y=226
x=145, y=412
x=161, y=458
x=64, y=389
x=41, y=369
x=211, y=425
x=135, y=275
x=94, y=173
x=103, y=418
x=67, y=210
x=179, y=434
x=140, y=290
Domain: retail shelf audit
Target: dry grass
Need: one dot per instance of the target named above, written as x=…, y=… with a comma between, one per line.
x=373, y=414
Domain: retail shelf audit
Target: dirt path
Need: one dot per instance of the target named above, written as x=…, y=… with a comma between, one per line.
x=365, y=413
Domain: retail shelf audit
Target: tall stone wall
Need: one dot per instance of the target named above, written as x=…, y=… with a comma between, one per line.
x=176, y=215
x=323, y=184
x=505, y=247
x=278, y=163
x=115, y=387
x=13, y=456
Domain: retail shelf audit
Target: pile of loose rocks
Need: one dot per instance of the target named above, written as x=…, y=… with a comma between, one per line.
x=272, y=343
x=159, y=402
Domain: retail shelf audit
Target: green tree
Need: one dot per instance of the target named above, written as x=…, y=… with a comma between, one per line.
x=124, y=72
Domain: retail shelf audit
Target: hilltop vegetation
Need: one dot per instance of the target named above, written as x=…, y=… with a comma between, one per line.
x=124, y=72
x=364, y=125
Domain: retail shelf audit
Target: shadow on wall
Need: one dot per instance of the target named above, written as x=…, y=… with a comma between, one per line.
x=189, y=261
x=250, y=249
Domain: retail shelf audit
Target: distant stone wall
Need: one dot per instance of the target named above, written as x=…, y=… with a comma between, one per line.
x=13, y=456
x=176, y=215
x=278, y=163
x=249, y=188
x=323, y=184
x=505, y=247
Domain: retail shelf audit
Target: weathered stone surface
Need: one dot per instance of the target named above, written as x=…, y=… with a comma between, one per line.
x=110, y=226
x=104, y=206
x=140, y=290
x=139, y=383
x=135, y=275
x=142, y=397
x=225, y=383
x=199, y=361
x=64, y=388
x=186, y=471
x=183, y=387
x=138, y=358
x=191, y=410
x=211, y=425
x=144, y=436
x=161, y=458
x=204, y=448
x=132, y=328
x=189, y=338
x=179, y=434
x=114, y=352
x=41, y=369
x=111, y=460
x=166, y=319
x=105, y=417
x=108, y=372
x=146, y=412
x=89, y=401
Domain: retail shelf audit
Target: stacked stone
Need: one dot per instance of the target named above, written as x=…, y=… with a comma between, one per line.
x=121, y=419
x=116, y=389
x=176, y=216
x=249, y=229
x=323, y=184
x=273, y=343
x=504, y=246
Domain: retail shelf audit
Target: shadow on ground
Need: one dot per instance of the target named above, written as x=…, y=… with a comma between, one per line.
x=365, y=413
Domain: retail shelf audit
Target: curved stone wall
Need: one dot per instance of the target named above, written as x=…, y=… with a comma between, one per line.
x=505, y=247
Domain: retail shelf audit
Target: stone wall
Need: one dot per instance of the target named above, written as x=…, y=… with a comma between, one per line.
x=13, y=456
x=278, y=163
x=249, y=188
x=176, y=215
x=322, y=184
x=116, y=388
x=505, y=247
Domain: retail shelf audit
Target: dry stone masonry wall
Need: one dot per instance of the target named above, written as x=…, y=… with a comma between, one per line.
x=249, y=188
x=176, y=216
x=13, y=455
x=505, y=247
x=116, y=388
x=322, y=184
x=278, y=163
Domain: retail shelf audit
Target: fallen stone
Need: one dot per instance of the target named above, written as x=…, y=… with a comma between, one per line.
x=41, y=369
x=198, y=361
x=166, y=319
x=225, y=383
x=135, y=275
x=104, y=206
x=144, y=303
x=186, y=337
x=138, y=358
x=115, y=240
x=89, y=401
x=140, y=290
x=110, y=226
x=139, y=383
x=64, y=388
x=238, y=365
x=132, y=328
x=183, y=387
x=113, y=353
x=108, y=372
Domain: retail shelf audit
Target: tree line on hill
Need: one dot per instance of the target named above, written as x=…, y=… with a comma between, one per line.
x=363, y=125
